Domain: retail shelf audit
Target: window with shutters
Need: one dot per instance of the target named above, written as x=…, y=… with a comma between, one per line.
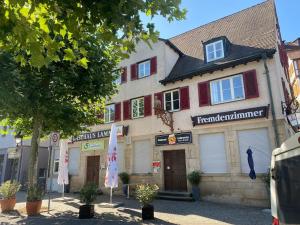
x=137, y=108
x=214, y=51
x=109, y=113
x=144, y=69
x=171, y=101
x=227, y=89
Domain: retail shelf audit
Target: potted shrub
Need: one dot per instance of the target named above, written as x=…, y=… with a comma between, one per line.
x=34, y=200
x=194, y=179
x=125, y=180
x=88, y=194
x=145, y=194
x=8, y=192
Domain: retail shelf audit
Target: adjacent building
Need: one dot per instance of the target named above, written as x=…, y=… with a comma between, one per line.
x=222, y=83
x=293, y=60
x=14, y=159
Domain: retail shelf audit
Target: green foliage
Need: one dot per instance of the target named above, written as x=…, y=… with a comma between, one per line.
x=9, y=189
x=43, y=31
x=194, y=177
x=34, y=193
x=145, y=193
x=88, y=193
x=124, y=177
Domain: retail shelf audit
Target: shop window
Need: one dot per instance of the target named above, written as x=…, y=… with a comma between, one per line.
x=109, y=114
x=258, y=141
x=120, y=158
x=56, y=166
x=142, y=157
x=74, y=161
x=212, y=153
x=171, y=100
x=144, y=69
x=214, y=51
x=227, y=89
x=137, y=108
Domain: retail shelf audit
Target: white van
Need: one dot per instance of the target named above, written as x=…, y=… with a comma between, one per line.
x=285, y=182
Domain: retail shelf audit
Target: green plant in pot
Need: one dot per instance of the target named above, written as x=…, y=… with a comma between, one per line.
x=88, y=195
x=34, y=200
x=145, y=194
x=8, y=192
x=194, y=178
x=125, y=180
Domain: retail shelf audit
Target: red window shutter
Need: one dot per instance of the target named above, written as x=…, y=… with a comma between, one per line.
x=159, y=96
x=126, y=110
x=133, y=69
x=250, y=84
x=153, y=65
x=204, y=93
x=184, y=98
x=148, y=105
x=124, y=75
x=118, y=112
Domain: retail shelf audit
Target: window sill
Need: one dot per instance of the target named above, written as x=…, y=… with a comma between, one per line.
x=134, y=118
x=237, y=100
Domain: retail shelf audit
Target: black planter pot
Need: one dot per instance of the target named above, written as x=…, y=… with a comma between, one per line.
x=196, y=193
x=86, y=211
x=148, y=212
x=125, y=189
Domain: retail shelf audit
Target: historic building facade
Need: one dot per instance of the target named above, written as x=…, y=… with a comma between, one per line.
x=223, y=84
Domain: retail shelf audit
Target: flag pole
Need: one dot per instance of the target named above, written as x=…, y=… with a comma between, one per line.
x=110, y=199
x=63, y=190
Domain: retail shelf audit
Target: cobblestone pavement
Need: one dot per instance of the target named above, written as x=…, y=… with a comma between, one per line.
x=65, y=211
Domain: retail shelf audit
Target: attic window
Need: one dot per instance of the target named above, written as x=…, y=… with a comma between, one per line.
x=214, y=50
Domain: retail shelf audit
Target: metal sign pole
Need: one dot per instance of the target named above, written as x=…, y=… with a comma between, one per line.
x=50, y=174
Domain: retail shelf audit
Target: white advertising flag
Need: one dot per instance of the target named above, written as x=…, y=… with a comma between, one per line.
x=63, y=163
x=111, y=177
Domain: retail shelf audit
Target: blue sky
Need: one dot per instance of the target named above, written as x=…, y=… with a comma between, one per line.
x=204, y=11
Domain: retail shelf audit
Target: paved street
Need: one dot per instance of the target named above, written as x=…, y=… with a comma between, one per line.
x=65, y=211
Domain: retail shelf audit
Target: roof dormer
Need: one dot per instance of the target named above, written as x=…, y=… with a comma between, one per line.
x=216, y=48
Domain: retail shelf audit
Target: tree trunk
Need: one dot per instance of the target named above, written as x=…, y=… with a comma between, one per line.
x=33, y=160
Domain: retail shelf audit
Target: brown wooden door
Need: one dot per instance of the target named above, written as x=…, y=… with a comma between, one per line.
x=175, y=170
x=92, y=169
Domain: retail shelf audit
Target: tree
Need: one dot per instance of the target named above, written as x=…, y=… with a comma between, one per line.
x=58, y=60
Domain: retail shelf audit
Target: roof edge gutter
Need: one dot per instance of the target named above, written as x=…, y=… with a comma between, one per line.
x=268, y=53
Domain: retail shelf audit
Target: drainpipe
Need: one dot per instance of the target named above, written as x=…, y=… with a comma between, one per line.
x=275, y=127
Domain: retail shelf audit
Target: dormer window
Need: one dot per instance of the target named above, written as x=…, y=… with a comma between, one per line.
x=214, y=50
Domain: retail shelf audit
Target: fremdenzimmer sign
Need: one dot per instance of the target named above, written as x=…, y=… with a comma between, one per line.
x=244, y=114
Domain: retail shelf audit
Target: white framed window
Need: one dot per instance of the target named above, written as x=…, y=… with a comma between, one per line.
x=214, y=51
x=137, y=108
x=109, y=113
x=171, y=100
x=144, y=69
x=227, y=89
x=55, y=166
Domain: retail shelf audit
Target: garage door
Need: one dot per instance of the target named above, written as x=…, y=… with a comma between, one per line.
x=212, y=153
x=258, y=141
x=142, y=157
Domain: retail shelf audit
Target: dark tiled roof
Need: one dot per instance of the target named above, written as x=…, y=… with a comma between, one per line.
x=251, y=33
